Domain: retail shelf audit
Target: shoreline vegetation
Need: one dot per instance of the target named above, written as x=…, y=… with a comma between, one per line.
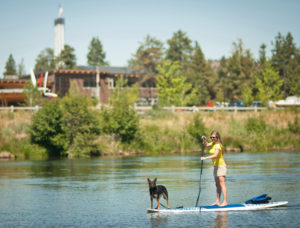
x=163, y=132
x=69, y=127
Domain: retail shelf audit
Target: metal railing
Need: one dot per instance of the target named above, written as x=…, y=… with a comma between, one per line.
x=20, y=108
x=143, y=109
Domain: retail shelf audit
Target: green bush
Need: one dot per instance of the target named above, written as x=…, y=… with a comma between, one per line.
x=80, y=124
x=255, y=126
x=47, y=130
x=236, y=128
x=197, y=128
x=24, y=149
x=66, y=126
x=294, y=127
x=120, y=119
x=121, y=122
x=236, y=142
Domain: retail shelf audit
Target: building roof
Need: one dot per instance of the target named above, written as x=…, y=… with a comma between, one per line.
x=7, y=84
x=109, y=69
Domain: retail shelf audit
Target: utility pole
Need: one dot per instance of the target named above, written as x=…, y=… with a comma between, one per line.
x=98, y=86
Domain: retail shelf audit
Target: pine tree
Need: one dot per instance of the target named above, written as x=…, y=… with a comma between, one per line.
x=10, y=67
x=21, y=68
x=96, y=55
x=286, y=61
x=147, y=57
x=237, y=70
x=45, y=61
x=180, y=48
x=262, y=54
x=202, y=77
x=67, y=58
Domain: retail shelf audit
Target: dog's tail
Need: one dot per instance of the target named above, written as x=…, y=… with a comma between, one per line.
x=165, y=195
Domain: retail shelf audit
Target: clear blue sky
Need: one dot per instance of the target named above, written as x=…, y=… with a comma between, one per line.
x=27, y=26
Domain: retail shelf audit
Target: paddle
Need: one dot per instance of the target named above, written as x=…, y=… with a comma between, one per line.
x=202, y=152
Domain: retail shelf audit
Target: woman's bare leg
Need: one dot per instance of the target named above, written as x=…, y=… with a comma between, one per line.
x=218, y=188
x=224, y=190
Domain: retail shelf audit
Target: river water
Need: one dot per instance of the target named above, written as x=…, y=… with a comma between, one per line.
x=113, y=192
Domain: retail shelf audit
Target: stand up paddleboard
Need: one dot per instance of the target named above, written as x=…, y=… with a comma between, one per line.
x=257, y=203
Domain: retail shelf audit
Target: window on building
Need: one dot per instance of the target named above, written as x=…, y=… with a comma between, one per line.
x=111, y=83
x=88, y=82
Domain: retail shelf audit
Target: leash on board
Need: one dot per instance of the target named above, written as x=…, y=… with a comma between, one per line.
x=163, y=205
x=168, y=208
x=202, y=152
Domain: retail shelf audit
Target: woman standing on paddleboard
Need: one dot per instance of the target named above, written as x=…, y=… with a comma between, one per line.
x=220, y=169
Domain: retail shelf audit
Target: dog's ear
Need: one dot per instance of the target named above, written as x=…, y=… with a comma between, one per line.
x=155, y=179
x=148, y=180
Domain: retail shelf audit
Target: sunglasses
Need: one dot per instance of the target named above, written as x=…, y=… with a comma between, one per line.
x=213, y=137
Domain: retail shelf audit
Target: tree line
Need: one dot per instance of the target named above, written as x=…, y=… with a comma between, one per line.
x=183, y=76
x=46, y=61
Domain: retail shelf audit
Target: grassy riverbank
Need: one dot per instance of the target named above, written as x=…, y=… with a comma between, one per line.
x=166, y=132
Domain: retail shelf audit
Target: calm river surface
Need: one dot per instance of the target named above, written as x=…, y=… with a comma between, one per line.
x=113, y=192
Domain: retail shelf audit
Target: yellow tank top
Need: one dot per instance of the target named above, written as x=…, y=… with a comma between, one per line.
x=219, y=160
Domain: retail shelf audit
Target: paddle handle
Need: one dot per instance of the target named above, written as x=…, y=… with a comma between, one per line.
x=202, y=153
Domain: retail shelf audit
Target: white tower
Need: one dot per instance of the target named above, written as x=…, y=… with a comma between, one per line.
x=59, y=33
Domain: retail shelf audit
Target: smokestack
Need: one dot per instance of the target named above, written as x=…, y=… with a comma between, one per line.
x=59, y=33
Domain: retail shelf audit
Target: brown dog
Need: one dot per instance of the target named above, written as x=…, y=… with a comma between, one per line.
x=156, y=191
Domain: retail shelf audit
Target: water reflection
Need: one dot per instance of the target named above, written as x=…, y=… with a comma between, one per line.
x=221, y=219
x=157, y=219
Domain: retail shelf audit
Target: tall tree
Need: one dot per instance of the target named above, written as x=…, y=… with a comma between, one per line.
x=247, y=95
x=21, y=68
x=67, y=58
x=172, y=86
x=96, y=55
x=237, y=70
x=45, y=61
x=262, y=54
x=285, y=61
x=269, y=85
x=261, y=64
x=202, y=77
x=10, y=66
x=147, y=57
x=180, y=48
x=295, y=73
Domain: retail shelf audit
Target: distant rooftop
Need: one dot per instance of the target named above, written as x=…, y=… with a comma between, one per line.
x=109, y=69
x=11, y=77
